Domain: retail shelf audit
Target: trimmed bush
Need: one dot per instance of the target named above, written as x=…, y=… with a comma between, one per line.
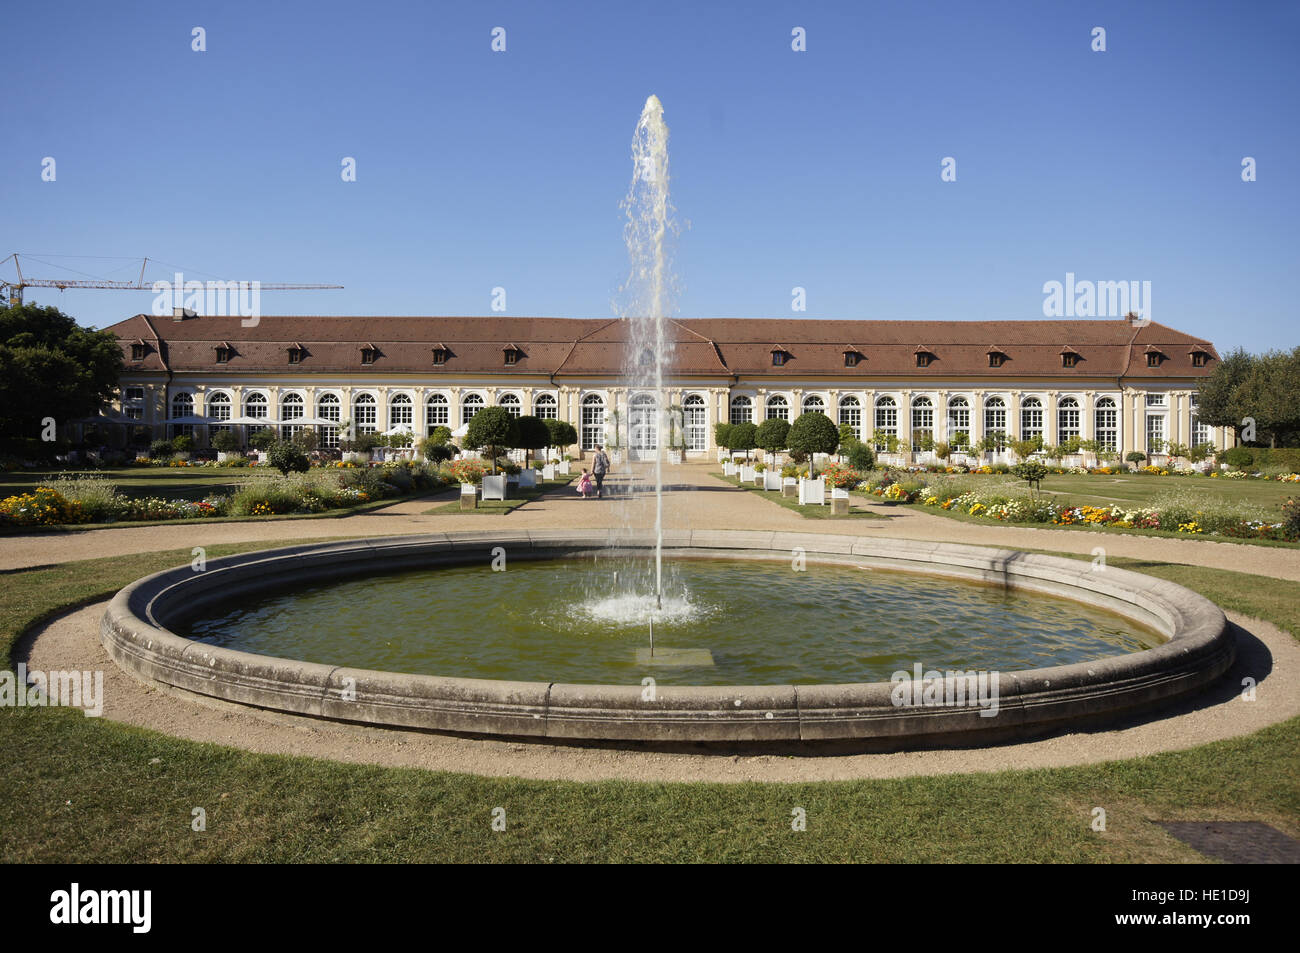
x=1239, y=458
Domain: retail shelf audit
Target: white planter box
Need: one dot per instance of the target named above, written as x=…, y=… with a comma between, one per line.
x=527, y=477
x=839, y=493
x=562, y=467
x=675, y=457
x=494, y=487
x=746, y=474
x=548, y=472
x=772, y=480
x=812, y=491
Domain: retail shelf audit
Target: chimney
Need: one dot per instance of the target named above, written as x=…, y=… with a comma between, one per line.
x=180, y=314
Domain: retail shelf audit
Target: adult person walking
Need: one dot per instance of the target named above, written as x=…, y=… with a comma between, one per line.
x=599, y=467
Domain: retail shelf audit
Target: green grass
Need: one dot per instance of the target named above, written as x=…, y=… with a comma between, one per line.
x=88, y=790
x=501, y=507
x=1122, y=489
x=171, y=483
x=809, y=511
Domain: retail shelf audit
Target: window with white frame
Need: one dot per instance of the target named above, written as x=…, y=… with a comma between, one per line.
x=1031, y=418
x=742, y=410
x=851, y=414
x=255, y=405
x=1200, y=431
x=546, y=407
x=328, y=407
x=1106, y=417
x=401, y=413
x=291, y=408
x=365, y=414
x=182, y=406
x=995, y=421
x=886, y=419
x=593, y=422
x=1155, y=433
x=437, y=412
x=694, y=422
x=922, y=421
x=778, y=406
x=1155, y=400
x=511, y=404
x=812, y=404
x=1067, y=420
x=218, y=408
x=959, y=423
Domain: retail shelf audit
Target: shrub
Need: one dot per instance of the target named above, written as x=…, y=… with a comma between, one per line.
x=1135, y=456
x=161, y=449
x=859, y=455
x=183, y=443
x=238, y=460
x=99, y=499
x=1023, y=448
x=1239, y=458
x=288, y=457
x=467, y=471
x=1291, y=518
x=742, y=437
x=722, y=435
x=562, y=433
x=225, y=441
x=43, y=507
x=1031, y=471
x=436, y=451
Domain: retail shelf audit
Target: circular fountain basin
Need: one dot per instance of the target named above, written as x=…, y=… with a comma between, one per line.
x=1168, y=643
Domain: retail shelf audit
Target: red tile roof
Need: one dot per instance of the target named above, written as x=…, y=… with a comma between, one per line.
x=713, y=347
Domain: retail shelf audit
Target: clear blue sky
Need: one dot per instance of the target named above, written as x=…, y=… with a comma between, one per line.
x=817, y=169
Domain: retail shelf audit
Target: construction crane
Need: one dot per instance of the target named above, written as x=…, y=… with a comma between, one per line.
x=16, y=287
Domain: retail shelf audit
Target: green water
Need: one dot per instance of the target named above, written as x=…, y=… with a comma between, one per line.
x=762, y=622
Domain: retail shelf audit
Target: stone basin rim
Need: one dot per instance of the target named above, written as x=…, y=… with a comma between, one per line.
x=1199, y=649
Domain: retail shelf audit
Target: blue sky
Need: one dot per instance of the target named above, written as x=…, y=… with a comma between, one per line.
x=818, y=169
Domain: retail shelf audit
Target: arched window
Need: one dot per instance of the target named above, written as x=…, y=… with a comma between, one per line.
x=694, y=422
x=470, y=405
x=1107, y=418
x=291, y=408
x=255, y=406
x=546, y=407
x=959, y=423
x=436, y=411
x=365, y=415
x=218, y=408
x=328, y=407
x=778, y=406
x=851, y=414
x=995, y=421
x=643, y=423
x=1031, y=418
x=401, y=412
x=922, y=422
x=593, y=422
x=812, y=404
x=1067, y=420
x=742, y=410
x=511, y=404
x=886, y=420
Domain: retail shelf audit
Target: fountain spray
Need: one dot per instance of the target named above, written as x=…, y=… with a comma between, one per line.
x=648, y=209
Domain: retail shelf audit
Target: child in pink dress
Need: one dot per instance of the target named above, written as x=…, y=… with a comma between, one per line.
x=584, y=484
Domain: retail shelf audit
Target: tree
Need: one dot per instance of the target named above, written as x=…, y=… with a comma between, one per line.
x=1217, y=398
x=306, y=439
x=435, y=450
x=439, y=435
x=50, y=368
x=860, y=456
x=263, y=439
x=492, y=429
x=1270, y=395
x=1032, y=472
x=813, y=433
x=742, y=437
x=287, y=457
x=772, y=434
x=722, y=435
x=562, y=433
x=533, y=434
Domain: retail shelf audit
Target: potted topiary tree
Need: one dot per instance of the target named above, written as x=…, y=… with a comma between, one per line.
x=226, y=444
x=742, y=437
x=493, y=430
x=722, y=440
x=1135, y=457
x=771, y=437
x=813, y=433
x=183, y=446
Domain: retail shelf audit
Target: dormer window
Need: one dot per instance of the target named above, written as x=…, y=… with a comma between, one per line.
x=996, y=358
x=1198, y=359
x=779, y=356
x=439, y=355
x=1069, y=359
x=512, y=357
x=368, y=355
x=851, y=358
x=296, y=353
x=223, y=353
x=923, y=357
x=137, y=352
x=1153, y=359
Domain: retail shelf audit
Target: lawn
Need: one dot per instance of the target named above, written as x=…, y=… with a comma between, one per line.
x=1099, y=489
x=172, y=483
x=88, y=790
x=515, y=499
